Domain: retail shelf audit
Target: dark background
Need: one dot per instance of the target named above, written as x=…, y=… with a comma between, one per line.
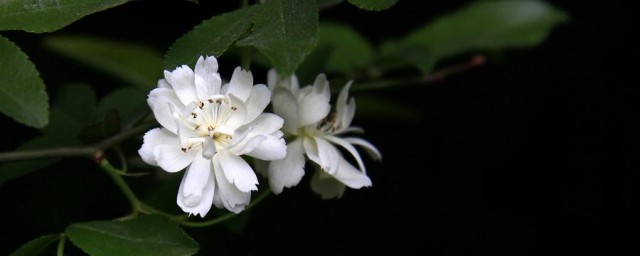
x=534, y=153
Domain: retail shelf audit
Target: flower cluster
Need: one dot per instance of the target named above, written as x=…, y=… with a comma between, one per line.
x=208, y=126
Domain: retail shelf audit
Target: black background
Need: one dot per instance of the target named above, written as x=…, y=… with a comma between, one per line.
x=534, y=153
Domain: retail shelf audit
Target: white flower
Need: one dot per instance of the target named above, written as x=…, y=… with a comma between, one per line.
x=206, y=128
x=316, y=134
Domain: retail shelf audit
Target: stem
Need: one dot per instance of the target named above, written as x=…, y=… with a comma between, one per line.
x=61, y=242
x=115, y=176
x=227, y=216
x=435, y=76
x=144, y=208
x=77, y=151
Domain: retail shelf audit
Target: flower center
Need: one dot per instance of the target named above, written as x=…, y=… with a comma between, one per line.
x=329, y=124
x=208, y=118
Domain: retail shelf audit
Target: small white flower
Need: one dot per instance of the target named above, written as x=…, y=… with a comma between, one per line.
x=206, y=127
x=316, y=134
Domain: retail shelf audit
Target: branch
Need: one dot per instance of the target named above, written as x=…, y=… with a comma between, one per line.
x=92, y=151
x=436, y=76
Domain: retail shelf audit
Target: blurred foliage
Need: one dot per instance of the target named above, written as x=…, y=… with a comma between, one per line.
x=283, y=34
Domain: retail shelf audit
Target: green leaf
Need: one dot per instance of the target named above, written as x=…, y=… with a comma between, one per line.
x=285, y=31
x=146, y=235
x=95, y=132
x=22, y=92
x=131, y=62
x=488, y=25
x=373, y=5
x=73, y=109
x=119, y=110
x=48, y=15
x=398, y=56
x=130, y=104
x=326, y=4
x=35, y=247
x=212, y=37
x=351, y=51
x=314, y=64
x=162, y=185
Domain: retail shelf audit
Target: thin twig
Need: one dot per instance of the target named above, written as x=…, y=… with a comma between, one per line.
x=92, y=151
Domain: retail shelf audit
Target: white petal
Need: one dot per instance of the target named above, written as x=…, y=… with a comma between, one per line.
x=238, y=116
x=247, y=145
x=196, y=178
x=187, y=135
x=241, y=84
x=162, y=83
x=344, y=111
x=272, y=148
x=370, y=148
x=267, y=123
x=289, y=171
x=258, y=100
x=314, y=102
x=238, y=172
x=350, y=176
x=311, y=149
x=227, y=194
x=272, y=79
x=208, y=148
x=181, y=79
x=203, y=207
x=285, y=105
x=326, y=186
x=171, y=158
x=322, y=153
x=207, y=78
x=160, y=101
x=152, y=139
x=224, y=89
x=240, y=134
x=350, y=148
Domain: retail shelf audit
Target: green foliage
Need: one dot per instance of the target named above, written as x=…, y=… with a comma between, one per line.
x=48, y=15
x=281, y=34
x=398, y=56
x=373, y=5
x=285, y=31
x=36, y=247
x=22, y=92
x=488, y=25
x=213, y=37
x=146, y=235
x=129, y=102
x=131, y=62
x=72, y=112
x=351, y=51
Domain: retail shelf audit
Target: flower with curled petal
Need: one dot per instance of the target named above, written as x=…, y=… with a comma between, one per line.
x=316, y=133
x=206, y=128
